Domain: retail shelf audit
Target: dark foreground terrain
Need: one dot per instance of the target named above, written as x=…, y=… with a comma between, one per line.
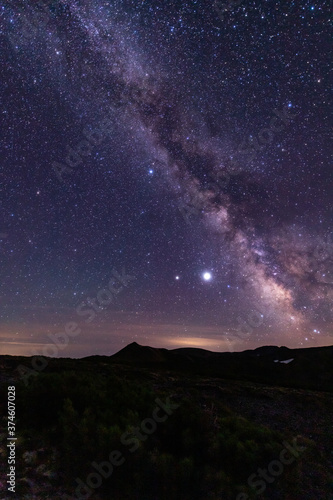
x=153, y=424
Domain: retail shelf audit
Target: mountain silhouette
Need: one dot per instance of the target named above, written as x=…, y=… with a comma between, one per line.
x=310, y=367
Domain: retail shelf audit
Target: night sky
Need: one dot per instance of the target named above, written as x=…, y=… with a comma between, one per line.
x=165, y=175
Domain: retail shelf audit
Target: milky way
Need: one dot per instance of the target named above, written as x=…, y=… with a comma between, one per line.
x=178, y=144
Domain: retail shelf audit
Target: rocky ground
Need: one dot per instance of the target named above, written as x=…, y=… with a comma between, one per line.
x=304, y=414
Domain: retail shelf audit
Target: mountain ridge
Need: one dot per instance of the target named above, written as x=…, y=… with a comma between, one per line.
x=309, y=366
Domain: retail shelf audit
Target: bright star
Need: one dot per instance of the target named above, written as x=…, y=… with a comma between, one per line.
x=207, y=276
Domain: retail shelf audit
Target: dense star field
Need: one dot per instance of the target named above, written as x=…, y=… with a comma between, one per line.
x=165, y=175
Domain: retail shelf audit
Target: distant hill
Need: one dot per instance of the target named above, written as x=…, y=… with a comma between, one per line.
x=309, y=367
